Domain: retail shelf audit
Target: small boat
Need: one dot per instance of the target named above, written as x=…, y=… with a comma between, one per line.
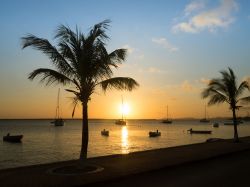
x=154, y=133
x=58, y=121
x=105, y=132
x=120, y=122
x=204, y=120
x=232, y=123
x=215, y=124
x=13, y=138
x=199, y=131
x=167, y=120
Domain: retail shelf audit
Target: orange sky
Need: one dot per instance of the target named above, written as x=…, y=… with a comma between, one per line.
x=172, y=54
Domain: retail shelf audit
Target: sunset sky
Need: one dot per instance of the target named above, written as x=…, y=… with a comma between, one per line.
x=174, y=48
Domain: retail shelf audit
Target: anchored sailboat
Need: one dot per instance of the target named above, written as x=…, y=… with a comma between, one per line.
x=169, y=121
x=58, y=120
x=205, y=120
x=121, y=121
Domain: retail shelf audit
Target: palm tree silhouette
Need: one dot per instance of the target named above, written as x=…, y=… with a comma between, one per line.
x=82, y=61
x=225, y=89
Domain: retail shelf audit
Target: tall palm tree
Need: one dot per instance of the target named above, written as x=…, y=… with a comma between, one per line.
x=226, y=90
x=82, y=61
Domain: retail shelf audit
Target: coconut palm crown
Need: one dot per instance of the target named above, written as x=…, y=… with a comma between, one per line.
x=226, y=90
x=82, y=61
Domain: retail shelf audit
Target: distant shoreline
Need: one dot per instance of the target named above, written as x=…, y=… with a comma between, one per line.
x=146, y=119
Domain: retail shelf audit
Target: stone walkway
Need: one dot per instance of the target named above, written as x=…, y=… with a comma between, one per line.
x=117, y=166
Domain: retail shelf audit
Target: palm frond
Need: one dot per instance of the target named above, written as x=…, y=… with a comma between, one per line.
x=119, y=83
x=64, y=33
x=75, y=103
x=98, y=31
x=244, y=85
x=73, y=91
x=117, y=56
x=216, y=99
x=218, y=84
x=51, y=51
x=67, y=52
x=214, y=95
x=245, y=99
x=49, y=76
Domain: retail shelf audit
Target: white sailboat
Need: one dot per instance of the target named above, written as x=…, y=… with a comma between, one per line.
x=58, y=120
x=167, y=120
x=121, y=121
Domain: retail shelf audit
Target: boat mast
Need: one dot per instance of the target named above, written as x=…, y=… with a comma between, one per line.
x=122, y=108
x=57, y=107
x=167, y=112
x=205, y=111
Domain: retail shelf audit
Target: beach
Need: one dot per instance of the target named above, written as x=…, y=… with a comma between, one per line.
x=117, y=167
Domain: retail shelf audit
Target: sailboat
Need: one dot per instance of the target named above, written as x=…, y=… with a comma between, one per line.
x=167, y=120
x=205, y=120
x=58, y=120
x=121, y=121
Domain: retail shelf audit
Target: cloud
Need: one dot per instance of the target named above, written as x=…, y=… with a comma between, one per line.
x=194, y=6
x=165, y=44
x=137, y=53
x=129, y=48
x=207, y=19
x=186, y=86
x=152, y=70
x=246, y=79
x=140, y=56
x=204, y=81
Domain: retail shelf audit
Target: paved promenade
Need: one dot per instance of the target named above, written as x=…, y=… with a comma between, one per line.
x=122, y=166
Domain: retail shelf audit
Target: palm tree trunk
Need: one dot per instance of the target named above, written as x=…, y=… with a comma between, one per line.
x=236, y=138
x=85, y=131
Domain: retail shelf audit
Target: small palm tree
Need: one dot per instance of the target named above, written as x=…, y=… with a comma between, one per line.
x=81, y=61
x=225, y=89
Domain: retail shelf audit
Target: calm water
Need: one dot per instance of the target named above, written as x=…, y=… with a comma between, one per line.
x=44, y=143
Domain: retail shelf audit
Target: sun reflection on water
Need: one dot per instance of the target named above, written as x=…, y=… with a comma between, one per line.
x=124, y=135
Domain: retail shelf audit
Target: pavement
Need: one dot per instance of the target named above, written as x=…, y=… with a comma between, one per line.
x=128, y=167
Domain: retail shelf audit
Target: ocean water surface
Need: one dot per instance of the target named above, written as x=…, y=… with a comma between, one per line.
x=45, y=143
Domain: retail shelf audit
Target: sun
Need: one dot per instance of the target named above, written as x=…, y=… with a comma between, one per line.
x=125, y=109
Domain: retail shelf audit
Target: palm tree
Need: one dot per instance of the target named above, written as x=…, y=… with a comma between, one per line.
x=226, y=90
x=82, y=61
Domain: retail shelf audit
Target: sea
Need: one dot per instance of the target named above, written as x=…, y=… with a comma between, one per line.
x=45, y=143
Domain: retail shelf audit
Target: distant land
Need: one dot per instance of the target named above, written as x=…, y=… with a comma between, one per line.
x=149, y=119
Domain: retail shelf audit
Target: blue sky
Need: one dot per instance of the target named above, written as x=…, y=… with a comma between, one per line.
x=174, y=48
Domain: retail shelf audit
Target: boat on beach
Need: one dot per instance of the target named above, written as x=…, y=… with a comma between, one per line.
x=13, y=138
x=154, y=133
x=58, y=121
x=191, y=131
x=104, y=132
